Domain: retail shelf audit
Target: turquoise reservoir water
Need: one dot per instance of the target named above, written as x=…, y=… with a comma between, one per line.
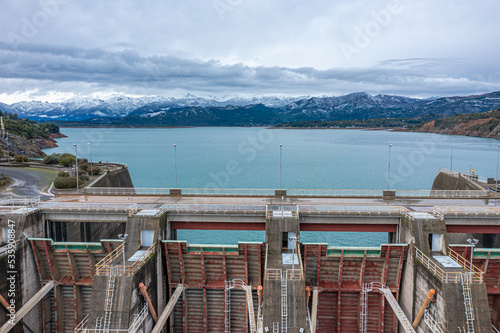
x=250, y=158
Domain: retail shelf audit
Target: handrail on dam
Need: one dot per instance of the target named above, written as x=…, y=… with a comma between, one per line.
x=476, y=272
x=249, y=192
x=441, y=273
x=103, y=266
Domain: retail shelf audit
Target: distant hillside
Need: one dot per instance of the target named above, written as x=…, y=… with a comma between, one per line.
x=263, y=111
x=251, y=115
x=484, y=124
x=357, y=106
x=26, y=136
x=26, y=128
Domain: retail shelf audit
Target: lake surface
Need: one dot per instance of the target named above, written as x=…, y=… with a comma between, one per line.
x=232, y=157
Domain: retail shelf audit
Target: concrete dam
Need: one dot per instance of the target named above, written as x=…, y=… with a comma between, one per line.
x=107, y=259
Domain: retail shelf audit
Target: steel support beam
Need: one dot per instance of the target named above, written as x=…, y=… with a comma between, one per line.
x=314, y=314
x=217, y=226
x=27, y=307
x=168, y=309
x=354, y=227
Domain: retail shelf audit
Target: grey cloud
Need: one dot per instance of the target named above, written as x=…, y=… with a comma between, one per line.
x=130, y=70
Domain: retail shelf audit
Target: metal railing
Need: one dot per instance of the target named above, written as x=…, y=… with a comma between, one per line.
x=435, y=269
x=139, y=319
x=81, y=327
x=22, y=205
x=475, y=211
x=403, y=320
x=273, y=274
x=249, y=192
x=10, y=246
x=103, y=266
x=295, y=274
x=86, y=206
x=283, y=211
x=214, y=209
x=476, y=274
x=442, y=274
x=432, y=323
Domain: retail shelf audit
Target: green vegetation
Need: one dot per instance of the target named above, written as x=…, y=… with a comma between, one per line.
x=354, y=123
x=26, y=128
x=21, y=158
x=65, y=182
x=5, y=180
x=457, y=119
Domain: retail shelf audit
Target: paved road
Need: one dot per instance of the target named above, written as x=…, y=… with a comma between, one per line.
x=27, y=182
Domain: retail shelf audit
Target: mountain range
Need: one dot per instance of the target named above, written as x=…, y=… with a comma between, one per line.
x=237, y=111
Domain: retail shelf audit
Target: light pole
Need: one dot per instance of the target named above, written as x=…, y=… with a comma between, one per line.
x=451, y=159
x=294, y=239
x=281, y=163
x=472, y=243
x=8, y=148
x=76, y=163
x=175, y=161
x=122, y=237
x=496, y=177
x=389, y=170
x=91, y=168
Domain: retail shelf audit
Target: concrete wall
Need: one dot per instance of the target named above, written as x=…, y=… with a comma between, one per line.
x=115, y=178
x=27, y=278
x=448, y=181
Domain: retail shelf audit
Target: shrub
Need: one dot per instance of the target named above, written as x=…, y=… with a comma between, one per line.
x=66, y=159
x=21, y=158
x=4, y=180
x=51, y=159
x=63, y=174
x=95, y=170
x=68, y=182
x=84, y=167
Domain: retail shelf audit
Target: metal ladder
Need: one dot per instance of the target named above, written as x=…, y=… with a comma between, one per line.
x=98, y=324
x=110, y=292
x=364, y=306
x=284, y=302
x=227, y=307
x=469, y=310
x=394, y=305
x=251, y=313
x=432, y=323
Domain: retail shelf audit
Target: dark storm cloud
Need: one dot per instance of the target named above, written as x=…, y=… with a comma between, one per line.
x=61, y=64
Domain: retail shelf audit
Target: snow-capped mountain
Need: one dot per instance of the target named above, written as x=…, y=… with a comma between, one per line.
x=77, y=109
x=191, y=110
x=351, y=106
x=81, y=108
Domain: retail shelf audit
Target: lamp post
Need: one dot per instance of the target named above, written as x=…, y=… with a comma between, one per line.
x=91, y=168
x=76, y=166
x=389, y=170
x=496, y=177
x=472, y=243
x=8, y=148
x=451, y=159
x=281, y=163
x=122, y=237
x=294, y=239
x=175, y=161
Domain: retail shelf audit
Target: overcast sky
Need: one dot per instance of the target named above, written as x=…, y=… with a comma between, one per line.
x=57, y=49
